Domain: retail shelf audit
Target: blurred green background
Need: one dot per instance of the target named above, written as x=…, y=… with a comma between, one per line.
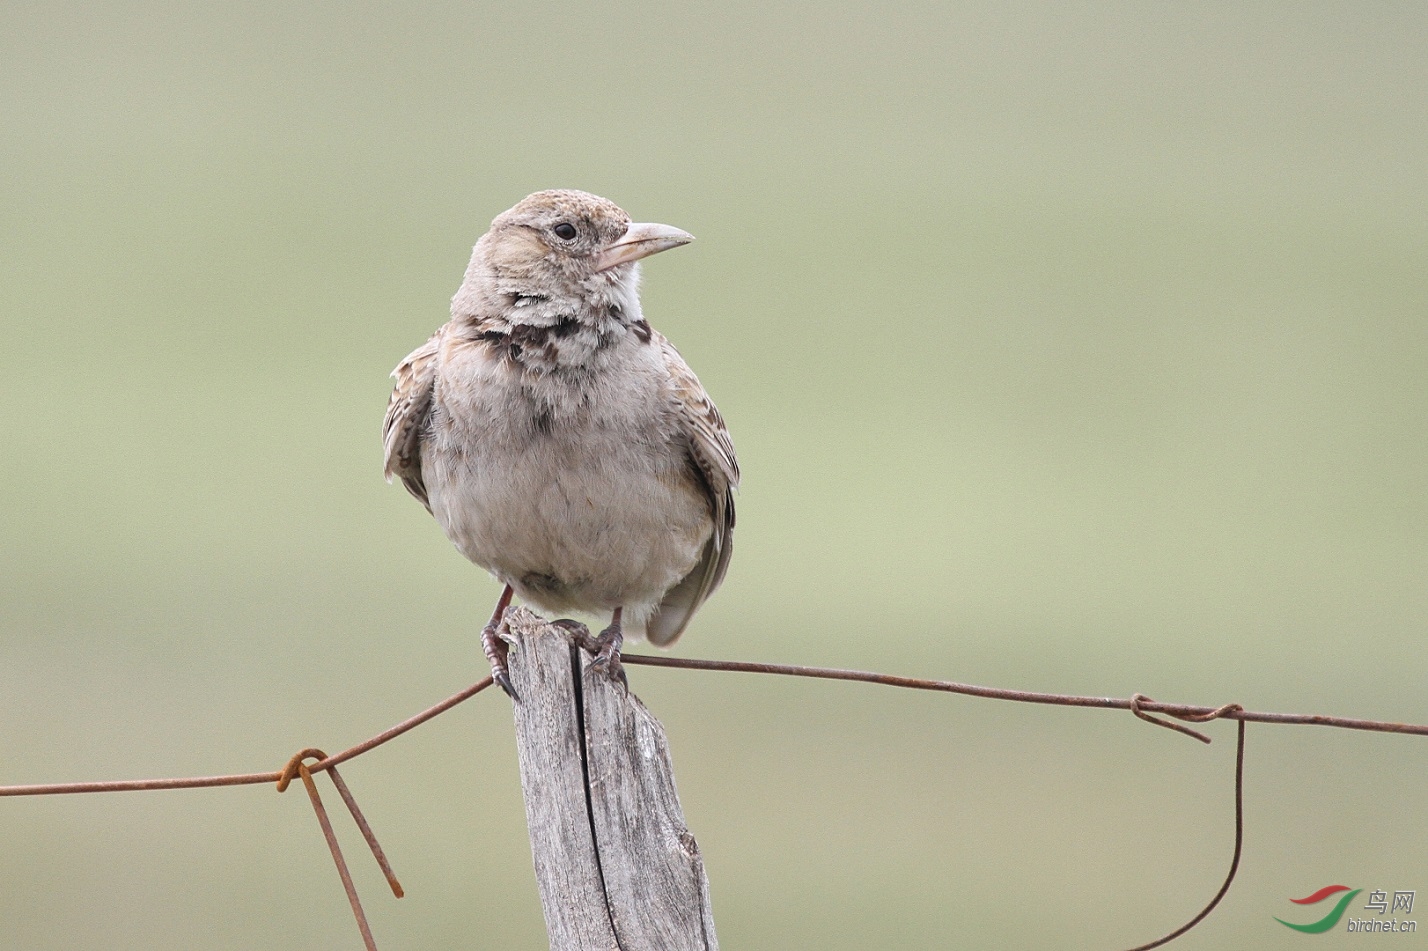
x=1066, y=347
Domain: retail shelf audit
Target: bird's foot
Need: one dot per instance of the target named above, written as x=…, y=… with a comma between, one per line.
x=497, y=651
x=605, y=648
x=579, y=634
x=495, y=646
x=607, y=654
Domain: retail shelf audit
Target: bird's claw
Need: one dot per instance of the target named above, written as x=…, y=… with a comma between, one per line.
x=497, y=651
x=614, y=668
x=605, y=648
x=607, y=655
x=579, y=633
x=503, y=680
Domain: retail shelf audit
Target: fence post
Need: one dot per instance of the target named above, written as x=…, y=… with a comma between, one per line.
x=616, y=865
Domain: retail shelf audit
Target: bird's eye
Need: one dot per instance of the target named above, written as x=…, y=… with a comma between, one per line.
x=565, y=231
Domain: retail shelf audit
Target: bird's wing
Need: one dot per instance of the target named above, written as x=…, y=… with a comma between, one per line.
x=711, y=456
x=407, y=414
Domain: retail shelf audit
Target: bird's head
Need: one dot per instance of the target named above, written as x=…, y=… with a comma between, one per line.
x=562, y=247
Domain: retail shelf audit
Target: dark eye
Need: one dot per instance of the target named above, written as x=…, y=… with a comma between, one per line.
x=565, y=231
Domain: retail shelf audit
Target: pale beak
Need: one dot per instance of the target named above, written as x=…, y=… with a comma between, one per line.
x=640, y=241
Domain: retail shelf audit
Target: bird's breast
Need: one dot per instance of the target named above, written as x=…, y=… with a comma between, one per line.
x=582, y=480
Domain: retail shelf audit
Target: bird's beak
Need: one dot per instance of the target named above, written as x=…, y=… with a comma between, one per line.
x=640, y=241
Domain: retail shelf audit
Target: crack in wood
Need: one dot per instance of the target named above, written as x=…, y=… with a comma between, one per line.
x=577, y=678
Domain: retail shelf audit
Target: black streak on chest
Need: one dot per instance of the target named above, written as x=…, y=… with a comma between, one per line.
x=527, y=343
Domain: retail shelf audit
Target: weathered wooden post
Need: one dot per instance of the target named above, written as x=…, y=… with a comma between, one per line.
x=616, y=865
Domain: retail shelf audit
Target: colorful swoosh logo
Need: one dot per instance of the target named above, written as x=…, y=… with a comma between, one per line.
x=1329, y=920
x=1320, y=895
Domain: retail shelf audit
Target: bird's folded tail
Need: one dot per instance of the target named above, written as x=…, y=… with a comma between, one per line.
x=674, y=612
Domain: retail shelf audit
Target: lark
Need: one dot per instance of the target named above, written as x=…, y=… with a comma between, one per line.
x=560, y=442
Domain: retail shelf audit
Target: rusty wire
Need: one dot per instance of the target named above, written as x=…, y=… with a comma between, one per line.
x=1138, y=704
x=1183, y=711
x=249, y=779
x=1239, y=836
x=298, y=767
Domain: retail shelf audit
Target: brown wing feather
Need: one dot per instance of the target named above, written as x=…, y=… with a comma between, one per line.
x=711, y=454
x=407, y=415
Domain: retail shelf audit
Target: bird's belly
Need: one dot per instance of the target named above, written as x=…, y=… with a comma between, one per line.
x=585, y=525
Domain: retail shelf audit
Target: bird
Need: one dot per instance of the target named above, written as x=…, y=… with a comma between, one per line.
x=560, y=442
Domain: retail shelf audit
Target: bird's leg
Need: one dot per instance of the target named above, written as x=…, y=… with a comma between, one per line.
x=607, y=651
x=496, y=649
